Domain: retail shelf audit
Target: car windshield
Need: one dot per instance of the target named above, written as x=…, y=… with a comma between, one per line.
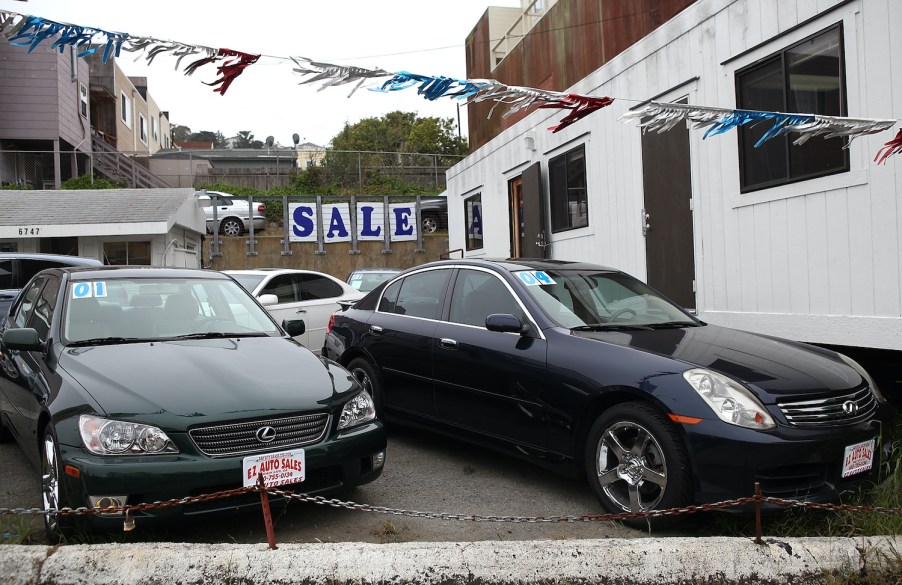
x=248, y=281
x=578, y=299
x=367, y=281
x=122, y=310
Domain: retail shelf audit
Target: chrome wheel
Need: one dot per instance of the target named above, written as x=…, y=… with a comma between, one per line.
x=231, y=227
x=50, y=484
x=363, y=379
x=363, y=371
x=430, y=224
x=631, y=467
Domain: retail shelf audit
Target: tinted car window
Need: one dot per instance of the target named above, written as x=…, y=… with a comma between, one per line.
x=479, y=294
x=27, y=302
x=390, y=298
x=43, y=309
x=6, y=274
x=314, y=286
x=29, y=267
x=283, y=286
x=420, y=294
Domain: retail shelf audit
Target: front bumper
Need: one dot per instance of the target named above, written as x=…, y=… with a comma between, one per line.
x=801, y=464
x=340, y=462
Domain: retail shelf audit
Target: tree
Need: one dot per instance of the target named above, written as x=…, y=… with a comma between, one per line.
x=180, y=133
x=216, y=138
x=402, y=132
x=246, y=140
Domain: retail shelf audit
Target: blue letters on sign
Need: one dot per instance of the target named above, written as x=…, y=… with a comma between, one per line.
x=81, y=290
x=368, y=229
x=336, y=225
x=402, y=221
x=303, y=219
x=528, y=279
x=100, y=289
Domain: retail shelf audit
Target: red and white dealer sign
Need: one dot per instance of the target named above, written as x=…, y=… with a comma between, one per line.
x=858, y=458
x=277, y=468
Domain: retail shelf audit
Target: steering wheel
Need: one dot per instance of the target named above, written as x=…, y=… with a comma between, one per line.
x=619, y=312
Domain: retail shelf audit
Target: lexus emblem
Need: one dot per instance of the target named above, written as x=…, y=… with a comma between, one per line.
x=268, y=434
x=849, y=408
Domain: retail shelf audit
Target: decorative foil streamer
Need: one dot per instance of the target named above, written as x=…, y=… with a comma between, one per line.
x=335, y=74
x=151, y=48
x=430, y=87
x=659, y=117
x=892, y=147
x=35, y=30
x=580, y=106
x=10, y=23
x=229, y=70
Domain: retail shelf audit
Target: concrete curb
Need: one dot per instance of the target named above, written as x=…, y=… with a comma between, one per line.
x=611, y=561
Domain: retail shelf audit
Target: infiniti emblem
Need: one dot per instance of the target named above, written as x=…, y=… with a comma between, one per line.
x=268, y=434
x=849, y=408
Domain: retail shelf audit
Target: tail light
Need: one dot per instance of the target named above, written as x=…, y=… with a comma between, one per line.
x=331, y=323
x=260, y=208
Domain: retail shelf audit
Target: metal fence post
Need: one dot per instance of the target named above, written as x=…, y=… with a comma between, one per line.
x=320, y=235
x=386, y=236
x=352, y=213
x=286, y=224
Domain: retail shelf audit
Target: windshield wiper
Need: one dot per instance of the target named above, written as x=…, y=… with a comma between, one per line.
x=610, y=327
x=108, y=341
x=673, y=324
x=218, y=335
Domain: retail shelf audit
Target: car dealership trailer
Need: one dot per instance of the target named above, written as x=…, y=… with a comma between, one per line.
x=812, y=254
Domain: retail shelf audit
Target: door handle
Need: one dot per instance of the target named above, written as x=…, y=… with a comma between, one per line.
x=447, y=343
x=645, y=225
x=375, y=329
x=301, y=310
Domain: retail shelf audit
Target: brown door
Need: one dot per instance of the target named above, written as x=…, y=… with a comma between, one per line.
x=667, y=217
x=527, y=215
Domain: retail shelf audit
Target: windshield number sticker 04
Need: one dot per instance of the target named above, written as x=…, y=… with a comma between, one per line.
x=535, y=278
x=858, y=458
x=277, y=468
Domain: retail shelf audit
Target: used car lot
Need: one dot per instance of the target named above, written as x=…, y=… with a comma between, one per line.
x=587, y=371
x=145, y=395
x=233, y=213
x=298, y=294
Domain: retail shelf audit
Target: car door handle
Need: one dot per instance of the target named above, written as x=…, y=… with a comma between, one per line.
x=375, y=329
x=301, y=310
x=447, y=343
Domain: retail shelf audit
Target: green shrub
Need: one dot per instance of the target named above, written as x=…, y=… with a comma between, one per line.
x=86, y=182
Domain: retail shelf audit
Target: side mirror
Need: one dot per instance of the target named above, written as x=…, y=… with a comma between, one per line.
x=505, y=323
x=266, y=300
x=24, y=339
x=294, y=327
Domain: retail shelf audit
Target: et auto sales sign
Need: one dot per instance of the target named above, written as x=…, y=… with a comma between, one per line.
x=277, y=468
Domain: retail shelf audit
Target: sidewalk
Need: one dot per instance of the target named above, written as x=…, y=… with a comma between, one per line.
x=617, y=561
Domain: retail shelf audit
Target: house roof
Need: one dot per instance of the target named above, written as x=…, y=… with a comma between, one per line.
x=195, y=145
x=101, y=206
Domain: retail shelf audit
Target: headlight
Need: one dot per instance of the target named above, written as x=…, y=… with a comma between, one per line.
x=103, y=436
x=730, y=402
x=358, y=410
x=864, y=374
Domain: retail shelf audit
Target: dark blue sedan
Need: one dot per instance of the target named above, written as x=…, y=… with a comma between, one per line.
x=586, y=370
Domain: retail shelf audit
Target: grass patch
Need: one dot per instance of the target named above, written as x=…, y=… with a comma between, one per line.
x=21, y=530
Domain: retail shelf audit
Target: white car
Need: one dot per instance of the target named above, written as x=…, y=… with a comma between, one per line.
x=298, y=294
x=233, y=213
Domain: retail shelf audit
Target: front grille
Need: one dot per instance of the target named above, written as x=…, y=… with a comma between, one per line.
x=241, y=438
x=845, y=409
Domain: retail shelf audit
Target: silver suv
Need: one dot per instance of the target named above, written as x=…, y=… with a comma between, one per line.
x=232, y=213
x=17, y=268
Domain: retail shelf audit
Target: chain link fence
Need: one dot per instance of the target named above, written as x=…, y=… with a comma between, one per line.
x=34, y=169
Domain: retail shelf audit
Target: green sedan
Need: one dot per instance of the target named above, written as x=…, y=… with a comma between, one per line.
x=131, y=385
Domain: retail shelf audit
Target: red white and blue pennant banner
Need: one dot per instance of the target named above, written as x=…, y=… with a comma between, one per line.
x=33, y=31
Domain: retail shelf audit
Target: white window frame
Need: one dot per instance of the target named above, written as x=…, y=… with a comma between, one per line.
x=83, y=100
x=125, y=104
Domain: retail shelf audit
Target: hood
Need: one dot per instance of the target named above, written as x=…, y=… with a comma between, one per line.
x=776, y=366
x=177, y=384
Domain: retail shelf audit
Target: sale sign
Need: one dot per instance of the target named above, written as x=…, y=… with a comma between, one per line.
x=278, y=469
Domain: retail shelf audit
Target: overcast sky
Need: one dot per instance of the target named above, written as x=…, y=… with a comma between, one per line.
x=418, y=36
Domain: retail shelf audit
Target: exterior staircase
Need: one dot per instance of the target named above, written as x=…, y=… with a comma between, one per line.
x=114, y=165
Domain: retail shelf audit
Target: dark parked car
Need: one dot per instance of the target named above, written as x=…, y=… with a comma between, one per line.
x=434, y=212
x=587, y=370
x=179, y=384
x=17, y=268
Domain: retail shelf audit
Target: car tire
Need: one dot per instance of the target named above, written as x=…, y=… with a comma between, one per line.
x=53, y=491
x=231, y=226
x=635, y=461
x=430, y=224
x=5, y=434
x=365, y=374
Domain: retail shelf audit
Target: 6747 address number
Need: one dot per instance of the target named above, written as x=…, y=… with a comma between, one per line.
x=29, y=231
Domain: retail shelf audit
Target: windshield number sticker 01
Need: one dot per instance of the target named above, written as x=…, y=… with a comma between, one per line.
x=858, y=458
x=84, y=290
x=277, y=468
x=535, y=278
